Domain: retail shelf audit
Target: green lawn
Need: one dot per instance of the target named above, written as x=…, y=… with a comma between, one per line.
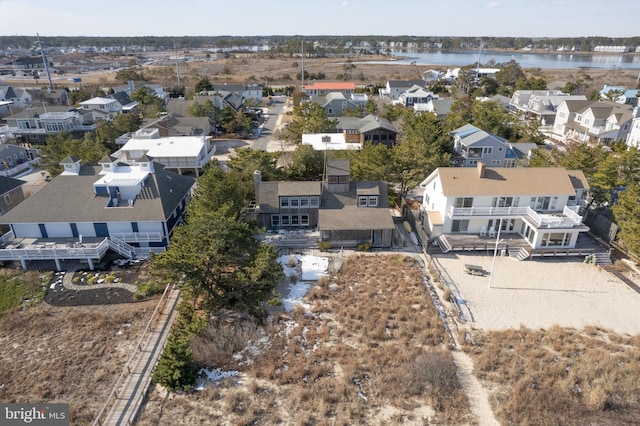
x=20, y=288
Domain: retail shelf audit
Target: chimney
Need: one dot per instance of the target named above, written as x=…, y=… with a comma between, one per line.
x=257, y=178
x=481, y=169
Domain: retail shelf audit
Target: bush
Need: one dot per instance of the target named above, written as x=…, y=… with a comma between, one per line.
x=364, y=247
x=176, y=369
x=149, y=288
x=324, y=245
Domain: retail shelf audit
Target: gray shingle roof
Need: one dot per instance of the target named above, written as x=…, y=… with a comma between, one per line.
x=72, y=199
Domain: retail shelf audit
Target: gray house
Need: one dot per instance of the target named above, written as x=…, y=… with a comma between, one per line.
x=335, y=104
x=472, y=145
x=345, y=212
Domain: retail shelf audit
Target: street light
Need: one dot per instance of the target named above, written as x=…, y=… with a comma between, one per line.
x=495, y=252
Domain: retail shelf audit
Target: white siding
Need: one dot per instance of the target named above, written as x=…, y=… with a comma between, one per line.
x=26, y=230
x=150, y=227
x=58, y=230
x=86, y=229
x=119, y=227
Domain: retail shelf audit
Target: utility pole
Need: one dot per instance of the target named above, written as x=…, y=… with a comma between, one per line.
x=175, y=51
x=44, y=61
x=302, y=55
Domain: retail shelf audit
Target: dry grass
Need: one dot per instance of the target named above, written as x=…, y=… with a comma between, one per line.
x=371, y=352
x=560, y=376
x=71, y=355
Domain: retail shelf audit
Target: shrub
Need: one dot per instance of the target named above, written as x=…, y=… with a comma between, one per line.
x=364, y=247
x=92, y=279
x=149, y=288
x=176, y=368
x=110, y=278
x=324, y=245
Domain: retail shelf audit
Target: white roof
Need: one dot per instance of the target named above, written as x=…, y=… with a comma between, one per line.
x=177, y=146
x=329, y=141
x=98, y=101
x=123, y=176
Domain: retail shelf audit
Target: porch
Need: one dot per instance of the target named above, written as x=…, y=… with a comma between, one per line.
x=516, y=246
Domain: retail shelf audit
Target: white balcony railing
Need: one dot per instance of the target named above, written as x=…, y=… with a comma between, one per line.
x=139, y=237
x=567, y=219
x=39, y=253
x=487, y=211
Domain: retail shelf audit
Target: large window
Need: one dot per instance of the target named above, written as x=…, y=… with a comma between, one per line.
x=505, y=202
x=543, y=203
x=367, y=201
x=463, y=202
x=284, y=202
x=314, y=202
x=556, y=239
x=304, y=202
x=459, y=225
x=275, y=221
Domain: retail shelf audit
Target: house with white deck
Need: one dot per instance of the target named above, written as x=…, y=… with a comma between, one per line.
x=538, y=206
x=179, y=153
x=87, y=210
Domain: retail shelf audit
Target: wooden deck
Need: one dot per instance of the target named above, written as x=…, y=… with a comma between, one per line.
x=513, y=242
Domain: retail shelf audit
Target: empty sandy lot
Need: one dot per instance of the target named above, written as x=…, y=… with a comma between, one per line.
x=541, y=293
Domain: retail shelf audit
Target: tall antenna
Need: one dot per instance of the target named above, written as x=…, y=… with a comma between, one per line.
x=175, y=51
x=478, y=67
x=44, y=61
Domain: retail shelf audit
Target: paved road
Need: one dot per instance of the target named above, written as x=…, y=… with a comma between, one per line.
x=269, y=126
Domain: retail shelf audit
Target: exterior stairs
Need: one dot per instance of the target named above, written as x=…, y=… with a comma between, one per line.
x=121, y=247
x=603, y=258
x=442, y=242
x=519, y=253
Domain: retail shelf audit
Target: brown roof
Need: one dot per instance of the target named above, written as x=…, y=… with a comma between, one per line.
x=466, y=181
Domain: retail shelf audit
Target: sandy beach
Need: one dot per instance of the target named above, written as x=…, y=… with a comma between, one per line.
x=541, y=293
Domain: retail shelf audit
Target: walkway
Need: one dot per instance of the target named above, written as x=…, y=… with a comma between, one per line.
x=128, y=396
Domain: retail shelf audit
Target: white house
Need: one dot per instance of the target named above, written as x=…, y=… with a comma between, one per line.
x=540, y=205
x=415, y=95
x=394, y=88
x=633, y=139
x=595, y=122
x=87, y=210
x=329, y=141
x=179, y=153
x=539, y=105
x=101, y=108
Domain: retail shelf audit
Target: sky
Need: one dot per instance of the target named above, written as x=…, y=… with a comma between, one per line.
x=501, y=18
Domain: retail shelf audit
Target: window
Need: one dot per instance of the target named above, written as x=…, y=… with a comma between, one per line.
x=294, y=202
x=330, y=111
x=543, y=203
x=499, y=149
x=304, y=202
x=7, y=199
x=344, y=179
x=284, y=202
x=295, y=220
x=333, y=179
x=487, y=150
x=314, y=202
x=459, y=225
x=275, y=221
x=505, y=202
x=285, y=220
x=495, y=162
x=362, y=201
x=463, y=202
x=304, y=220
x=373, y=201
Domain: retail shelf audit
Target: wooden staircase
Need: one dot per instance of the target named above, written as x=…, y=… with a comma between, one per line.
x=603, y=258
x=519, y=253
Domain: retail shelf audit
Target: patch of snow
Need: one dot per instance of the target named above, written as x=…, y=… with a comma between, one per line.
x=296, y=292
x=212, y=375
x=313, y=267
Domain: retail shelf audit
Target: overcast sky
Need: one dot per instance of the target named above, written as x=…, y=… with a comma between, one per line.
x=507, y=18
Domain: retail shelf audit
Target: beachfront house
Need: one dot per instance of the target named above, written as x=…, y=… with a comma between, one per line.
x=540, y=206
x=345, y=212
x=87, y=210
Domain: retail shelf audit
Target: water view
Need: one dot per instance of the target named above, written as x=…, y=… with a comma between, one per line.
x=525, y=59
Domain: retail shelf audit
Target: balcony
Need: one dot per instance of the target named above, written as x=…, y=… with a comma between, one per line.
x=569, y=218
x=489, y=212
